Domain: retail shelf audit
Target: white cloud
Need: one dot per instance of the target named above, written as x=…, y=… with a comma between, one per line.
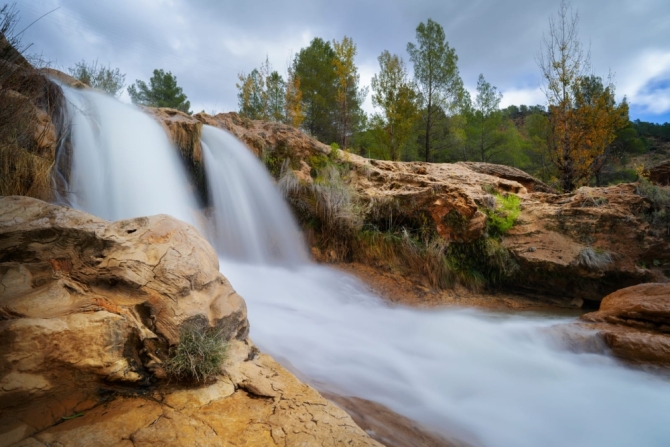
x=638, y=81
x=527, y=96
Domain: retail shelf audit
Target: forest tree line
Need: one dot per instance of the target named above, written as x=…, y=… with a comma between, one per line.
x=582, y=136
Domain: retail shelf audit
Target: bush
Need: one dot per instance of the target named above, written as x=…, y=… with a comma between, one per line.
x=503, y=217
x=200, y=353
x=110, y=81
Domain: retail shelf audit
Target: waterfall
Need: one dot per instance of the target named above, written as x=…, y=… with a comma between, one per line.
x=249, y=220
x=123, y=164
x=492, y=379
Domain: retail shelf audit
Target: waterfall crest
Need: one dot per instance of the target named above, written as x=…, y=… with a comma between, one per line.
x=249, y=219
x=123, y=164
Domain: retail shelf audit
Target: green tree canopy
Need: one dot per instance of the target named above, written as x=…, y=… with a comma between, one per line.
x=97, y=76
x=162, y=91
x=314, y=67
x=484, y=129
x=436, y=73
x=395, y=95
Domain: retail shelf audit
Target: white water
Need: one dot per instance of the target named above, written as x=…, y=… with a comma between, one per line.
x=250, y=220
x=492, y=379
x=123, y=166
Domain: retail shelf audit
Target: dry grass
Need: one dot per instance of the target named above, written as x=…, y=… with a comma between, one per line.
x=594, y=259
x=201, y=352
x=327, y=208
x=30, y=119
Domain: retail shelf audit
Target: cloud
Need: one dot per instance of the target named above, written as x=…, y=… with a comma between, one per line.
x=527, y=96
x=206, y=43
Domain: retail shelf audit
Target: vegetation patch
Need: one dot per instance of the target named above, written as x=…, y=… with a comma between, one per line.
x=659, y=197
x=503, y=216
x=594, y=258
x=199, y=354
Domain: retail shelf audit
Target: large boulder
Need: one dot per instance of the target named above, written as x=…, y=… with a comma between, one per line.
x=635, y=323
x=587, y=244
x=89, y=310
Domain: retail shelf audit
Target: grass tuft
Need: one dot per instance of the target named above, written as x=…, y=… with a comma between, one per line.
x=199, y=355
x=594, y=259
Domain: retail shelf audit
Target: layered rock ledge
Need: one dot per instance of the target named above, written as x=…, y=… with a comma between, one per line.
x=635, y=323
x=88, y=312
x=571, y=248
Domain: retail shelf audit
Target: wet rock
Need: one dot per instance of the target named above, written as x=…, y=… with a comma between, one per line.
x=88, y=311
x=635, y=323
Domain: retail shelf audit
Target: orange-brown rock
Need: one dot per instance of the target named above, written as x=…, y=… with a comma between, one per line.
x=88, y=310
x=183, y=130
x=510, y=173
x=64, y=78
x=221, y=414
x=573, y=247
x=635, y=323
x=586, y=244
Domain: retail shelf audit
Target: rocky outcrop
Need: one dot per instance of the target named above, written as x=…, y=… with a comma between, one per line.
x=587, y=244
x=660, y=174
x=31, y=124
x=88, y=312
x=575, y=247
x=509, y=173
x=635, y=323
x=183, y=130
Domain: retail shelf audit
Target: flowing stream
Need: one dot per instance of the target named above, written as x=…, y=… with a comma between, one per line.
x=491, y=379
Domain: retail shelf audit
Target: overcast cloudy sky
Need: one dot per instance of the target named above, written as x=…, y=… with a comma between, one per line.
x=205, y=43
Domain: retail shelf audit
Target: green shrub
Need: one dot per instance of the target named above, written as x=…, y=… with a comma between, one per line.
x=200, y=353
x=503, y=217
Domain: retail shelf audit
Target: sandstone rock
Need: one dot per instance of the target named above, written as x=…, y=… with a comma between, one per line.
x=508, y=172
x=88, y=309
x=183, y=130
x=573, y=248
x=584, y=245
x=635, y=323
x=64, y=78
x=84, y=302
x=217, y=415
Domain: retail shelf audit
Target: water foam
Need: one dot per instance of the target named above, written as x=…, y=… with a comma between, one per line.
x=492, y=379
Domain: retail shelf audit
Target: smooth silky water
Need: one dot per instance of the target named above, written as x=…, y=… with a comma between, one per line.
x=492, y=379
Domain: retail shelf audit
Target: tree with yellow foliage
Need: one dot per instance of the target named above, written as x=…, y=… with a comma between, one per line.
x=348, y=97
x=583, y=118
x=294, y=114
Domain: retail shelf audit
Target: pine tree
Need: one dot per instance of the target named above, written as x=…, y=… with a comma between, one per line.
x=162, y=91
x=436, y=73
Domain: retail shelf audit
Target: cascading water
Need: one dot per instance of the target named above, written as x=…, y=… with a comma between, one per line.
x=491, y=379
x=123, y=164
x=250, y=221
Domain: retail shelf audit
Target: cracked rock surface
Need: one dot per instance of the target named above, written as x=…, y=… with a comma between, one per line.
x=88, y=312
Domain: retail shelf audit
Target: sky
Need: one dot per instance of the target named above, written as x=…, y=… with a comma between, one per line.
x=206, y=43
